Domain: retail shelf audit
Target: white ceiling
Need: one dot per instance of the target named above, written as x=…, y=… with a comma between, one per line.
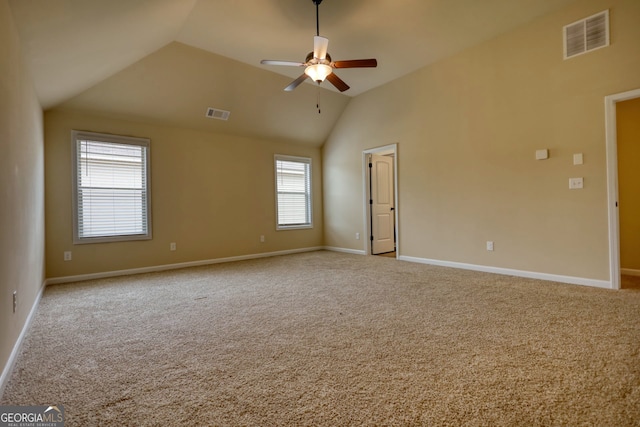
x=71, y=45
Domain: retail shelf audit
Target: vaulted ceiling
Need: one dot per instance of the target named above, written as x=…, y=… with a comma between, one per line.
x=80, y=51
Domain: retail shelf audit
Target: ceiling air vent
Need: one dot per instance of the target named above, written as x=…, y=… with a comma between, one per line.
x=586, y=35
x=214, y=113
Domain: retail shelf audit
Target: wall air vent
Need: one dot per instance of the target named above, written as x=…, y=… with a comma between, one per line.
x=586, y=35
x=214, y=113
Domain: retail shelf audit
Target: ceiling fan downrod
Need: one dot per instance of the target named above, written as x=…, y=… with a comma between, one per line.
x=317, y=3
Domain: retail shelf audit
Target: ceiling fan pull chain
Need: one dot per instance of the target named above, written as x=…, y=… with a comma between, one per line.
x=318, y=100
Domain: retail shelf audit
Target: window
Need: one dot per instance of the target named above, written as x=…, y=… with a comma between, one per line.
x=111, y=195
x=293, y=192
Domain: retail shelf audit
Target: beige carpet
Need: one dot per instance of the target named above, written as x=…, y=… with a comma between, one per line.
x=328, y=339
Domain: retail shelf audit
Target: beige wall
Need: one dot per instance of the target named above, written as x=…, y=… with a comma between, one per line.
x=628, y=122
x=177, y=83
x=21, y=188
x=467, y=129
x=211, y=194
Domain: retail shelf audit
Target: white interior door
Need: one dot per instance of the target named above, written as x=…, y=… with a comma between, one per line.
x=382, y=200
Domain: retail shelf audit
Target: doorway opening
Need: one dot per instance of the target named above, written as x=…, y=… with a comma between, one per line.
x=380, y=185
x=613, y=195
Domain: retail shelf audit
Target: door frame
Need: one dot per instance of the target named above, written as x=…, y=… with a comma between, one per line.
x=611, y=133
x=366, y=233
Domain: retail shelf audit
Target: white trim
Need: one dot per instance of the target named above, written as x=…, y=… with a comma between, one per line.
x=345, y=250
x=386, y=149
x=510, y=272
x=105, y=274
x=612, y=181
x=13, y=357
x=630, y=272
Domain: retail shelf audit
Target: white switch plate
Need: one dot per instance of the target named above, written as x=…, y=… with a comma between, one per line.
x=489, y=245
x=357, y=236
x=542, y=154
x=172, y=246
x=575, y=183
x=577, y=159
x=67, y=255
x=262, y=239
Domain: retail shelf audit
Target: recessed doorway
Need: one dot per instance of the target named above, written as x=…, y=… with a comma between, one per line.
x=380, y=172
x=613, y=186
x=628, y=142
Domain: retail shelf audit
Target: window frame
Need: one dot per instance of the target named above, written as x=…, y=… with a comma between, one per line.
x=309, y=195
x=76, y=136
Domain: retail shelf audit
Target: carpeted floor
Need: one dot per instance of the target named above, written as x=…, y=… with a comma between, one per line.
x=330, y=339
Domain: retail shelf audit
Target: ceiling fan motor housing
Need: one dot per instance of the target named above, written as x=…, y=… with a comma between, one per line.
x=310, y=59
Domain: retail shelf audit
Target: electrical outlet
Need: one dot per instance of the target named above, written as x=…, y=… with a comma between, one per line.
x=15, y=301
x=172, y=246
x=262, y=239
x=575, y=183
x=357, y=236
x=67, y=255
x=489, y=245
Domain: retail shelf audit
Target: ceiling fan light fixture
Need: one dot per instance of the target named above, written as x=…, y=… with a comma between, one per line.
x=318, y=72
x=318, y=64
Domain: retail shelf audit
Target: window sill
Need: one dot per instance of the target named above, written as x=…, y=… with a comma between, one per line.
x=293, y=227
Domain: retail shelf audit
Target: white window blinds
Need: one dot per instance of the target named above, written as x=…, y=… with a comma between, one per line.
x=111, y=179
x=293, y=192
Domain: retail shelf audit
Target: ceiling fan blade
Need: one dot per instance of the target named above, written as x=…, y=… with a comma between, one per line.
x=355, y=63
x=294, y=84
x=320, y=46
x=287, y=63
x=337, y=82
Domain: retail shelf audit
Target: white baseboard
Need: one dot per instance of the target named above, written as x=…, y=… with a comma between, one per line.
x=497, y=270
x=510, y=272
x=8, y=368
x=345, y=250
x=630, y=272
x=105, y=274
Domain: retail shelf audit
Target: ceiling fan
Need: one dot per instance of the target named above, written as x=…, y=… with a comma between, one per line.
x=319, y=65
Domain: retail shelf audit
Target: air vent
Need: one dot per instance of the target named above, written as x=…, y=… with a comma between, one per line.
x=214, y=113
x=586, y=35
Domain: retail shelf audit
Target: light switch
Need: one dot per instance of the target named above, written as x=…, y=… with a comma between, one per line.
x=542, y=154
x=577, y=159
x=575, y=183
